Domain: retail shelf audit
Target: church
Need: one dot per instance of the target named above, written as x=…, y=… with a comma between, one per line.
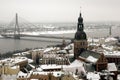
x=81, y=51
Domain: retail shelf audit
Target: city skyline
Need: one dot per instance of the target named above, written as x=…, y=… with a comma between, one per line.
x=60, y=10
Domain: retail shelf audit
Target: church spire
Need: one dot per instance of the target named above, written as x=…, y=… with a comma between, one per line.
x=80, y=25
x=80, y=40
x=80, y=11
x=80, y=34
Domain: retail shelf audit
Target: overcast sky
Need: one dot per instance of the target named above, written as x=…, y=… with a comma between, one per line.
x=60, y=10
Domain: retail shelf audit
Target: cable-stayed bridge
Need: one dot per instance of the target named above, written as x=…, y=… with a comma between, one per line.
x=18, y=26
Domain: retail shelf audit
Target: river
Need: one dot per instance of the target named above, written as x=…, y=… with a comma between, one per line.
x=12, y=44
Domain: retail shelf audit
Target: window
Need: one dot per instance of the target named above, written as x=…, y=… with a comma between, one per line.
x=83, y=43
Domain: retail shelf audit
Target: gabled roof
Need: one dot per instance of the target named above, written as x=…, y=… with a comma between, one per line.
x=87, y=53
x=90, y=56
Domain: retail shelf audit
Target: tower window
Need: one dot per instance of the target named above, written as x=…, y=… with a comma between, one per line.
x=81, y=43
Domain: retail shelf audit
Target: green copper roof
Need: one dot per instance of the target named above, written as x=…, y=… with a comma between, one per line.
x=87, y=53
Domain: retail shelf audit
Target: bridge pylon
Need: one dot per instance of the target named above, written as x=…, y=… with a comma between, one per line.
x=17, y=29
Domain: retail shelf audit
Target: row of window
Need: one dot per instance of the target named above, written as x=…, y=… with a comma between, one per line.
x=53, y=62
x=81, y=44
x=115, y=60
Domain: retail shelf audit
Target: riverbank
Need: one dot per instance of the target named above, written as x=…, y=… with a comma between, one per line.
x=7, y=45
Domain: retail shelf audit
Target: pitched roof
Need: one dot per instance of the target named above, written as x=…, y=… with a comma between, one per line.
x=87, y=53
x=89, y=56
x=112, y=67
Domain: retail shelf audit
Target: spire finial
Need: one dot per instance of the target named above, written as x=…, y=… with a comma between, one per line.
x=80, y=11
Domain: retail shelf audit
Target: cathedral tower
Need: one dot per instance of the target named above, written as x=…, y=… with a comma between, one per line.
x=80, y=40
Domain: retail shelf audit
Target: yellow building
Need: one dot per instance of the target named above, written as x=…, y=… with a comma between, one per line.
x=11, y=70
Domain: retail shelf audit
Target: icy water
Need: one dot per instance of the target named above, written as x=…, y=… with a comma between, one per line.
x=91, y=31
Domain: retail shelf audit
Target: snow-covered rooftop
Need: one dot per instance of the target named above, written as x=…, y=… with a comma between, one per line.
x=13, y=61
x=118, y=77
x=93, y=76
x=95, y=40
x=69, y=46
x=76, y=63
x=92, y=59
x=55, y=73
x=48, y=49
x=94, y=44
x=39, y=69
x=62, y=51
x=109, y=39
x=107, y=47
x=22, y=75
x=111, y=53
x=31, y=65
x=38, y=50
x=112, y=67
x=23, y=53
x=15, y=67
x=34, y=79
x=53, y=66
x=50, y=55
x=30, y=60
x=51, y=49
